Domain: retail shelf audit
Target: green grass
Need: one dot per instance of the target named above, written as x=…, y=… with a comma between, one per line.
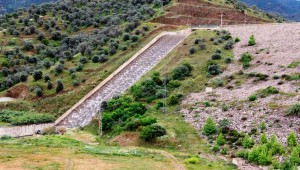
x=294, y=64
x=93, y=76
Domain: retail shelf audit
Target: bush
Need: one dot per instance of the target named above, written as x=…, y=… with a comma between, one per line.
x=292, y=139
x=294, y=158
x=38, y=91
x=151, y=132
x=182, y=71
x=95, y=59
x=229, y=45
x=192, y=50
x=268, y=91
x=174, y=84
x=216, y=148
x=60, y=86
x=37, y=75
x=228, y=60
x=214, y=69
x=294, y=110
x=27, y=46
x=134, y=38
x=252, y=98
x=247, y=142
x=251, y=41
x=83, y=60
x=209, y=127
x=49, y=85
x=216, y=57
x=263, y=139
x=103, y=58
x=192, y=160
x=126, y=37
x=18, y=118
x=173, y=100
x=246, y=59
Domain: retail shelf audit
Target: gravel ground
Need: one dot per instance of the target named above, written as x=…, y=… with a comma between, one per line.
x=278, y=44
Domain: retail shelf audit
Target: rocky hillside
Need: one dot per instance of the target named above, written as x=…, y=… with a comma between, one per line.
x=8, y=6
x=287, y=8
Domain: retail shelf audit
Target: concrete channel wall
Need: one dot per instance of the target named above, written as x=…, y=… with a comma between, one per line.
x=121, y=68
x=20, y=131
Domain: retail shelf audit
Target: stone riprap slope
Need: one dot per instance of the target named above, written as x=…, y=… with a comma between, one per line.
x=84, y=113
x=278, y=45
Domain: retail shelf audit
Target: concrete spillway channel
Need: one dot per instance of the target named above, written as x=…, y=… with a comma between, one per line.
x=123, y=78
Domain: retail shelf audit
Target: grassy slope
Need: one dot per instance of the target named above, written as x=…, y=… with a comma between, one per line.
x=182, y=140
x=62, y=102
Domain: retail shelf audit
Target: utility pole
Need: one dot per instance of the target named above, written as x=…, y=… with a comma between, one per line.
x=102, y=106
x=165, y=95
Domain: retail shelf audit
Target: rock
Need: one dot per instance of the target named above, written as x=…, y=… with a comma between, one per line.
x=238, y=162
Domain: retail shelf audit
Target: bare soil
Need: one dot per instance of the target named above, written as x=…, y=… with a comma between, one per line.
x=195, y=12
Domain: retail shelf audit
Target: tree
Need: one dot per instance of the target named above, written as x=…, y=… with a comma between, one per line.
x=252, y=40
x=27, y=46
x=37, y=75
x=60, y=86
x=292, y=139
x=220, y=140
x=209, y=127
x=151, y=132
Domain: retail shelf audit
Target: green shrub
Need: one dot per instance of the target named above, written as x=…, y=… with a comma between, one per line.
x=251, y=41
x=294, y=158
x=151, y=132
x=252, y=98
x=24, y=118
x=59, y=86
x=247, y=142
x=38, y=91
x=216, y=148
x=294, y=64
x=220, y=140
x=209, y=127
x=192, y=160
x=268, y=91
x=214, y=69
x=263, y=126
x=240, y=154
x=37, y=75
x=148, y=121
x=173, y=100
x=263, y=139
x=216, y=57
x=192, y=50
x=223, y=151
x=237, y=39
x=182, y=71
x=294, y=110
x=228, y=60
x=174, y=84
x=246, y=59
x=5, y=137
x=132, y=124
x=292, y=139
